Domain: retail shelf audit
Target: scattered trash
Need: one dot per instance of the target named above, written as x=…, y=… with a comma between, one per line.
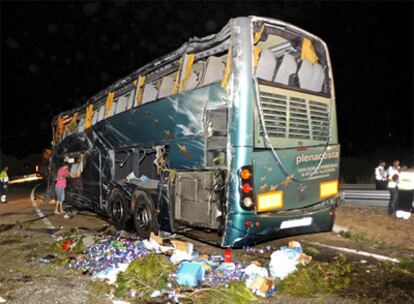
x=67, y=245
x=190, y=273
x=110, y=274
x=179, y=256
x=155, y=294
x=263, y=287
x=227, y=255
x=67, y=216
x=145, y=269
x=252, y=272
x=88, y=241
x=48, y=258
x=57, y=236
x=283, y=261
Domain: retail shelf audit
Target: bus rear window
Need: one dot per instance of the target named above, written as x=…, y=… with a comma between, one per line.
x=288, y=59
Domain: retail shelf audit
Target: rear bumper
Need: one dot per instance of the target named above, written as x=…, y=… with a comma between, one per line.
x=238, y=235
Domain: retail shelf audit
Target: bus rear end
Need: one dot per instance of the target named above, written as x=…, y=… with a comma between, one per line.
x=288, y=181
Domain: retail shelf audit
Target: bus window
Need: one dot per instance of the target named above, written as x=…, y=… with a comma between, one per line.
x=121, y=104
x=215, y=69
x=286, y=58
x=266, y=66
x=287, y=68
x=196, y=76
x=167, y=84
x=101, y=114
x=150, y=92
x=130, y=103
x=81, y=124
x=113, y=107
x=95, y=117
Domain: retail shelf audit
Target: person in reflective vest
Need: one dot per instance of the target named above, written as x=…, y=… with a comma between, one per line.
x=405, y=186
x=4, y=181
x=393, y=172
x=381, y=176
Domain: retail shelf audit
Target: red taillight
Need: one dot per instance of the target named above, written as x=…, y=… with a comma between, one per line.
x=258, y=224
x=248, y=224
x=246, y=188
x=245, y=174
x=245, y=178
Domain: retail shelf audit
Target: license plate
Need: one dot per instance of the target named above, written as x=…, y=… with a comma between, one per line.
x=306, y=221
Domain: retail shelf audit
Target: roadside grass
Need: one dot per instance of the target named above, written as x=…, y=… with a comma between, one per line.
x=405, y=266
x=317, y=278
x=365, y=241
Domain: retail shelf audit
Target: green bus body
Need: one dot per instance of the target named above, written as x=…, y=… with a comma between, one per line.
x=212, y=132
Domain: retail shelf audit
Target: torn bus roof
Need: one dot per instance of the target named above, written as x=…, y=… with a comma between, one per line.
x=194, y=44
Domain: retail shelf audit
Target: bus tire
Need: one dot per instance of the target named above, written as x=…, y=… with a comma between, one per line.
x=118, y=209
x=144, y=216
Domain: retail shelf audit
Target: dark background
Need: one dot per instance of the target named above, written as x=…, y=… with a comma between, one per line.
x=54, y=56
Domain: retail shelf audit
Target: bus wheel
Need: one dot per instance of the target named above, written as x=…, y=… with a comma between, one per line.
x=144, y=215
x=118, y=209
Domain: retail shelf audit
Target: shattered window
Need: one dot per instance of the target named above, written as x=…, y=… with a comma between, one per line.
x=286, y=58
x=121, y=104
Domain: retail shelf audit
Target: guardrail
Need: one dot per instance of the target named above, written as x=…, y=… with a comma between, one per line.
x=357, y=186
x=366, y=197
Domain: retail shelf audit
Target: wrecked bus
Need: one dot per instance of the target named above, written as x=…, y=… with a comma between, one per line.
x=230, y=139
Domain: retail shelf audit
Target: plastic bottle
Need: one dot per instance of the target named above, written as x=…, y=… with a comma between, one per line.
x=227, y=256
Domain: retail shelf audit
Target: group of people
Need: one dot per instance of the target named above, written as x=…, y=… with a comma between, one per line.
x=399, y=181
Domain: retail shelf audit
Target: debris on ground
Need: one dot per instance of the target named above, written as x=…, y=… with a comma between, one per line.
x=164, y=268
x=283, y=261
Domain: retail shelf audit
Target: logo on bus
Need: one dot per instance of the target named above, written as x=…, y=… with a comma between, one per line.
x=316, y=157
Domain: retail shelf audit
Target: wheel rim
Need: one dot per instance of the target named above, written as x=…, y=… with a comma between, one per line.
x=117, y=210
x=143, y=216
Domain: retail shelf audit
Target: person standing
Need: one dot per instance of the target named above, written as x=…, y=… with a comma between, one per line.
x=393, y=173
x=381, y=176
x=405, y=186
x=4, y=182
x=62, y=174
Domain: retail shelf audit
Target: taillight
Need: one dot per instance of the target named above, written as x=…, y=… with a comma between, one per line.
x=246, y=187
x=245, y=174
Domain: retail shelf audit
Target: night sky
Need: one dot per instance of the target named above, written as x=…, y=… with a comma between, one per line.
x=54, y=56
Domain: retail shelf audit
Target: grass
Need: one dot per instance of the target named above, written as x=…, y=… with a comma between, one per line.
x=144, y=276
x=363, y=240
x=235, y=292
x=317, y=278
x=405, y=266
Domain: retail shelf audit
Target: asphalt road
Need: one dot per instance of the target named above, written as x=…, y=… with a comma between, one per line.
x=21, y=208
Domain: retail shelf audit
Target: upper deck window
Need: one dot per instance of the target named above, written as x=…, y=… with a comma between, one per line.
x=289, y=59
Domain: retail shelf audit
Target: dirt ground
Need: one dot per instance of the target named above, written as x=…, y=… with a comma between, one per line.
x=373, y=223
x=25, y=279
